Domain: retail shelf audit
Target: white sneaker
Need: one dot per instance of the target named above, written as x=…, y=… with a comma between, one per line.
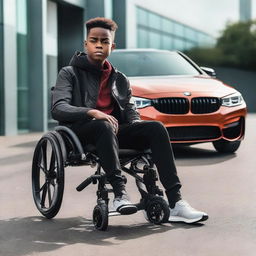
x=124, y=206
x=183, y=212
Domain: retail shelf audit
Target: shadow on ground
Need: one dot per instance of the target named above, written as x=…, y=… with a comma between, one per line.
x=185, y=155
x=194, y=156
x=22, y=236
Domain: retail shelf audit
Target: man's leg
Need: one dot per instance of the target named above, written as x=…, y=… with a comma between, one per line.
x=101, y=134
x=153, y=135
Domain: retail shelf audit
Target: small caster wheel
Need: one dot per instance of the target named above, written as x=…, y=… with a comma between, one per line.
x=100, y=216
x=157, y=210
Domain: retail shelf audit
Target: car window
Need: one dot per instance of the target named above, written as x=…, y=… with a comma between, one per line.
x=151, y=63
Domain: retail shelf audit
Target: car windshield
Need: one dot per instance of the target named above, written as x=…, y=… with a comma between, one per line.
x=149, y=63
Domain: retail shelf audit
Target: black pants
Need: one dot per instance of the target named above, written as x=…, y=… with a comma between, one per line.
x=139, y=135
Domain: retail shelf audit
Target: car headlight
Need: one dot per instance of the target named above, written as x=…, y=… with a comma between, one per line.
x=232, y=100
x=141, y=102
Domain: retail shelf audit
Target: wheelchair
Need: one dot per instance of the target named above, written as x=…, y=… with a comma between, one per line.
x=61, y=147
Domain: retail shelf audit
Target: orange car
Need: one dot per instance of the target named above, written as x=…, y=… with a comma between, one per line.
x=193, y=105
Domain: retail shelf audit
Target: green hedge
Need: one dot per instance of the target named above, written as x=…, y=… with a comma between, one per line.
x=236, y=47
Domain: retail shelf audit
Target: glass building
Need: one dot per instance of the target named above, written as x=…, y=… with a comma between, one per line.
x=38, y=37
x=157, y=31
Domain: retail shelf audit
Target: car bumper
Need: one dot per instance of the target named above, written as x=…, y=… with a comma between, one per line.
x=227, y=123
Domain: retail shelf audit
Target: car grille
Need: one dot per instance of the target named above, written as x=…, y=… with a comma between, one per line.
x=200, y=105
x=204, y=105
x=193, y=133
x=171, y=105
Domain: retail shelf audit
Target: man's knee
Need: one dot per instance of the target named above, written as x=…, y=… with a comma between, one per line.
x=104, y=126
x=154, y=125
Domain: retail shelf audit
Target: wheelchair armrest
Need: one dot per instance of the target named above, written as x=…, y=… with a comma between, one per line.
x=73, y=137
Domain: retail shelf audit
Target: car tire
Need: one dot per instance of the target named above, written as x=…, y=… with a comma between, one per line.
x=224, y=146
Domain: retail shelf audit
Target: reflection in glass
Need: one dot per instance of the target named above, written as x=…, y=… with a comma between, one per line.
x=139, y=63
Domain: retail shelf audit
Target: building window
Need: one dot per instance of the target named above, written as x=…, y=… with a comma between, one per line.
x=156, y=31
x=154, y=40
x=178, y=44
x=167, y=42
x=142, y=38
x=51, y=53
x=22, y=65
x=154, y=21
x=142, y=17
x=167, y=26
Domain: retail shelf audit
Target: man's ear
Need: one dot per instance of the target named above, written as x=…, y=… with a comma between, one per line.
x=85, y=44
x=113, y=47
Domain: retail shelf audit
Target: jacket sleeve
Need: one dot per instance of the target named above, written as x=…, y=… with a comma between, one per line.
x=62, y=108
x=130, y=111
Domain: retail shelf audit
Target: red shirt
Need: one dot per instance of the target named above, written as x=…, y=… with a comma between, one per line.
x=104, y=102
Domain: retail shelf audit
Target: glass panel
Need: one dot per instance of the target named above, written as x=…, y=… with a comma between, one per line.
x=178, y=29
x=1, y=11
x=142, y=17
x=52, y=54
x=22, y=64
x=179, y=44
x=167, y=25
x=154, y=21
x=154, y=40
x=135, y=63
x=167, y=42
x=142, y=38
x=23, y=109
x=21, y=16
x=191, y=34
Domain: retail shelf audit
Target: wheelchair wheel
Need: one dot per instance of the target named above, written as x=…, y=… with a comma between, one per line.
x=157, y=210
x=100, y=216
x=48, y=176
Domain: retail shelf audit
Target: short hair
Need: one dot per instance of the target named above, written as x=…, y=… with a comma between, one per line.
x=102, y=23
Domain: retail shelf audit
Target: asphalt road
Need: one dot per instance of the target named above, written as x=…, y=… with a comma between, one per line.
x=222, y=185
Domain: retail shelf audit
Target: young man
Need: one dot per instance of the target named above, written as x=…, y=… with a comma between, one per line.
x=94, y=99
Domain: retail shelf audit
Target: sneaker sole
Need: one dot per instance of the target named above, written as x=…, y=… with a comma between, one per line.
x=127, y=209
x=188, y=221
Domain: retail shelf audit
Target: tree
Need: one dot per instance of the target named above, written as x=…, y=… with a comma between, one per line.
x=236, y=47
x=238, y=42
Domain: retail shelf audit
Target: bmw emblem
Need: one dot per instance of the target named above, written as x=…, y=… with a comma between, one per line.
x=187, y=93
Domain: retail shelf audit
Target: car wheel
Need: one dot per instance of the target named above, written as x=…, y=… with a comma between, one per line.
x=224, y=146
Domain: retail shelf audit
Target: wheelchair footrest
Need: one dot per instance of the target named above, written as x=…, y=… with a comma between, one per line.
x=87, y=182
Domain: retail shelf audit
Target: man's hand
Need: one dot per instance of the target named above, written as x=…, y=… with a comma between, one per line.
x=102, y=116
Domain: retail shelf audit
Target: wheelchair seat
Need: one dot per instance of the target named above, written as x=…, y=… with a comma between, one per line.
x=122, y=152
x=61, y=147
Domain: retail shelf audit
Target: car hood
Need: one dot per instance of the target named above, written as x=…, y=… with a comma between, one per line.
x=175, y=86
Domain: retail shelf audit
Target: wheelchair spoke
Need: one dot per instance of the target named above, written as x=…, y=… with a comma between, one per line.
x=41, y=167
x=44, y=156
x=38, y=191
x=44, y=195
x=52, y=163
x=49, y=194
x=52, y=182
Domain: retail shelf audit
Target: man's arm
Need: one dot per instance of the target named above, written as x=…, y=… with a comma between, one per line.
x=131, y=113
x=62, y=110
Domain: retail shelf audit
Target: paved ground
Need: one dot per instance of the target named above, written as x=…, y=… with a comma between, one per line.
x=222, y=185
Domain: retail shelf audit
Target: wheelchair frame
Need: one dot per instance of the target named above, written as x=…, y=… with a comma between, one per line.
x=61, y=147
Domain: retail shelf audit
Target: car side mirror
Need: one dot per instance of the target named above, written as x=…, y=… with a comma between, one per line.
x=209, y=71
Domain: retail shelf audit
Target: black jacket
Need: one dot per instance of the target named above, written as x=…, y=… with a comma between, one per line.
x=77, y=88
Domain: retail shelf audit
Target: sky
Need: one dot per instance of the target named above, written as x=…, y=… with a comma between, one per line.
x=209, y=16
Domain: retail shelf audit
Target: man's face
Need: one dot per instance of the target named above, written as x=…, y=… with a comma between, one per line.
x=99, y=45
